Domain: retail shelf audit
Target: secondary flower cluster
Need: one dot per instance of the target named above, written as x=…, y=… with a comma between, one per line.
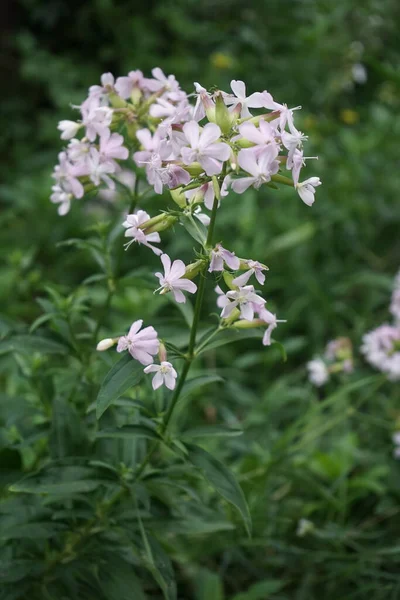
x=337, y=358
x=200, y=151
x=380, y=347
x=152, y=121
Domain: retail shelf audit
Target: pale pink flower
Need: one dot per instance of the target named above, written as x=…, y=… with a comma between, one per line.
x=204, y=147
x=99, y=169
x=97, y=121
x=292, y=141
x=124, y=86
x=204, y=102
x=255, y=268
x=162, y=81
x=238, y=88
x=395, y=304
x=140, y=344
x=173, y=281
x=62, y=198
x=164, y=374
x=219, y=256
x=246, y=300
x=306, y=189
x=261, y=168
x=222, y=300
x=101, y=91
x=111, y=146
x=78, y=151
x=172, y=113
x=132, y=224
x=381, y=348
x=270, y=319
x=66, y=175
x=261, y=136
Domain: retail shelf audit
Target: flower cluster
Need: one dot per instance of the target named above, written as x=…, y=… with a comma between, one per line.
x=199, y=151
x=152, y=121
x=337, y=358
x=381, y=347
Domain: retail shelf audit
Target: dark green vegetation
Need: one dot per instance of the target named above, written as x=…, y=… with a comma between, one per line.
x=79, y=521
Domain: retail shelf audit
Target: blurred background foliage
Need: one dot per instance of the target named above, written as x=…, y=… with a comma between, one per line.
x=330, y=268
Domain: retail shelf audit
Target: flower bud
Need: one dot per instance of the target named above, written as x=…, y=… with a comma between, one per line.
x=282, y=179
x=243, y=324
x=209, y=106
x=162, y=225
x=228, y=278
x=216, y=187
x=178, y=197
x=222, y=114
x=105, y=344
x=194, y=269
x=116, y=101
x=162, y=353
x=194, y=169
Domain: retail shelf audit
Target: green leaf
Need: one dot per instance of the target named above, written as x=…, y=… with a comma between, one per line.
x=119, y=581
x=31, y=530
x=195, y=228
x=211, y=431
x=17, y=569
x=197, y=383
x=158, y=563
x=66, y=435
x=125, y=374
x=261, y=590
x=231, y=335
x=30, y=344
x=208, y=586
x=60, y=480
x=221, y=479
x=129, y=431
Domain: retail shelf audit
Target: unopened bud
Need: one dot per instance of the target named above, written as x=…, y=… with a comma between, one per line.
x=222, y=115
x=136, y=95
x=105, y=344
x=216, y=187
x=209, y=106
x=243, y=324
x=162, y=225
x=228, y=278
x=194, y=169
x=194, y=269
x=162, y=353
x=282, y=179
x=116, y=101
x=178, y=197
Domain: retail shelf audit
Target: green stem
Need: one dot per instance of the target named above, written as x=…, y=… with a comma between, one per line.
x=190, y=353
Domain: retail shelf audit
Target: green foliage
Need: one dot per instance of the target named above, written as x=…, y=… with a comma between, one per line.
x=78, y=516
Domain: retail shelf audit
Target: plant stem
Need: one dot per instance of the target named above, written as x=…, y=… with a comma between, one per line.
x=190, y=353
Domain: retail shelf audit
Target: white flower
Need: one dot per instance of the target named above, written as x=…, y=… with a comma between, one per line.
x=270, y=319
x=306, y=189
x=62, y=198
x=164, y=374
x=68, y=129
x=238, y=88
x=395, y=304
x=292, y=141
x=132, y=224
x=255, y=268
x=173, y=281
x=140, y=344
x=219, y=256
x=244, y=298
x=318, y=373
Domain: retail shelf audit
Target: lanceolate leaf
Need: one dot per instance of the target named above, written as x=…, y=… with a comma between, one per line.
x=30, y=344
x=232, y=335
x=125, y=374
x=211, y=431
x=222, y=479
x=60, y=480
x=128, y=432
